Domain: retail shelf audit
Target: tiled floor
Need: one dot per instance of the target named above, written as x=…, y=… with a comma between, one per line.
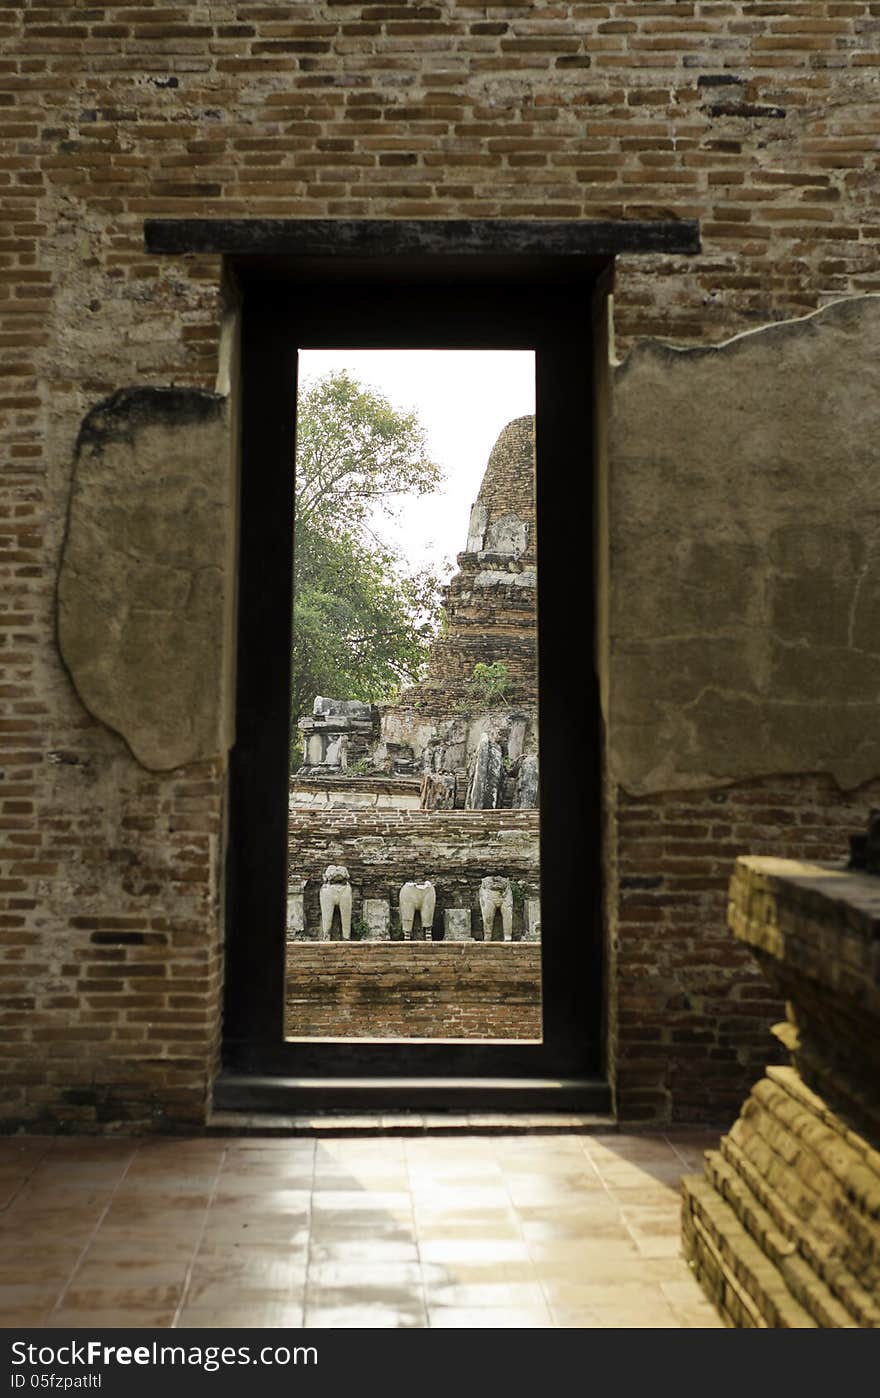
x=490, y=1231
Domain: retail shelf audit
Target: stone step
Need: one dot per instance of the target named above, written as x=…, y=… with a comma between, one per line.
x=793, y=1270
x=742, y=1282
x=810, y=1246
x=817, y=1178
x=463, y=1097
x=784, y=1223
x=329, y=1124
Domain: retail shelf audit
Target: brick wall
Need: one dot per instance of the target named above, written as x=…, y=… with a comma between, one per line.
x=414, y=990
x=759, y=119
x=692, y=1007
x=508, y=485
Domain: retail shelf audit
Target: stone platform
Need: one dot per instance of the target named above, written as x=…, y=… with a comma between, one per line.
x=432, y=990
x=783, y=1228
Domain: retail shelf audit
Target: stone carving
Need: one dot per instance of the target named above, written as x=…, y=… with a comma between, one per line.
x=417, y=896
x=516, y=736
x=485, y=786
x=296, y=918
x=457, y=925
x=377, y=916
x=526, y=796
x=506, y=535
x=335, y=893
x=496, y=893
x=533, y=920
x=477, y=527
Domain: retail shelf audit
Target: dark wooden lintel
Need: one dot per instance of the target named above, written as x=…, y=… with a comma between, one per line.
x=420, y=237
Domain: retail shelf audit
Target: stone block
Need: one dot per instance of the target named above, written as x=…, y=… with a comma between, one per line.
x=485, y=785
x=377, y=916
x=526, y=796
x=296, y=920
x=457, y=925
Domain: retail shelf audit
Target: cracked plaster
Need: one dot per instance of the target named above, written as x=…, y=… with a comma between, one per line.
x=143, y=581
x=744, y=555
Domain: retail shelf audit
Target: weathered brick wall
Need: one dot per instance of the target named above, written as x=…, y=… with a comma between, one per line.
x=414, y=990
x=488, y=625
x=508, y=484
x=111, y=971
x=759, y=119
x=692, y=1007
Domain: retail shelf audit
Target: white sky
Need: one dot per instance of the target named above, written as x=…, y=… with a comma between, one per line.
x=463, y=398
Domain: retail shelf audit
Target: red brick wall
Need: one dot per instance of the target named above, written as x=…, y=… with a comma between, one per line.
x=113, y=113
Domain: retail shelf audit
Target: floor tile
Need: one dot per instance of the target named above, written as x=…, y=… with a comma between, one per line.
x=262, y=1201
x=364, y=1250
x=489, y=1318
x=18, y=1317
x=225, y=1293
x=70, y=1318
x=582, y=1253
x=283, y=1315
x=373, y=1292
x=366, y=1317
x=30, y=1295
x=458, y=1232
x=253, y=1231
x=500, y=1251
x=103, y=1271
x=108, y=1296
x=597, y=1294
x=248, y=1265
x=698, y=1317
x=498, y=1294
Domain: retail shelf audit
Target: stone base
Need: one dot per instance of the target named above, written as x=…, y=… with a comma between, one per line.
x=413, y=990
x=783, y=1228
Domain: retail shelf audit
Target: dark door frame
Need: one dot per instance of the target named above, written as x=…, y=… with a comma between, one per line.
x=555, y=321
x=431, y=285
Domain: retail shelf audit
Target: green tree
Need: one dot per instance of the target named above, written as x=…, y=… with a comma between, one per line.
x=362, y=622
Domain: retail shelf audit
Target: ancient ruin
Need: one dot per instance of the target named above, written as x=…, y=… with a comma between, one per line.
x=467, y=733
x=445, y=779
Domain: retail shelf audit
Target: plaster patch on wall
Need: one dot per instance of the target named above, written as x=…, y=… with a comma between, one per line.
x=744, y=555
x=143, y=582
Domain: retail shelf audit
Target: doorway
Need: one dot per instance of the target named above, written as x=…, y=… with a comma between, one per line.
x=486, y=303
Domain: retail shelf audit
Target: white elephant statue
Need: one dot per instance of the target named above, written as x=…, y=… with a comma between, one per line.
x=335, y=893
x=495, y=893
x=417, y=896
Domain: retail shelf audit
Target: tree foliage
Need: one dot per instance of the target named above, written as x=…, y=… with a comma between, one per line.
x=362, y=621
